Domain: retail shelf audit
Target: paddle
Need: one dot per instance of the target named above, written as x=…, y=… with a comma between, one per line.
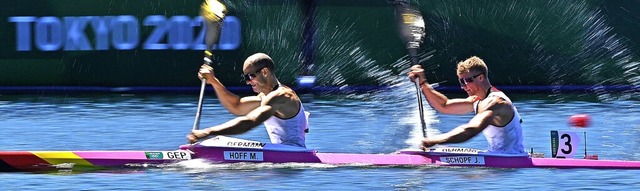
x=212, y=11
x=412, y=30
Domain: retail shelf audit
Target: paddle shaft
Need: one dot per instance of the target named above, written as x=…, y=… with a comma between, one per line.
x=196, y=123
x=413, y=56
x=212, y=12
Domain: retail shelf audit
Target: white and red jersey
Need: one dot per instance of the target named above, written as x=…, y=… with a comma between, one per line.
x=288, y=131
x=507, y=139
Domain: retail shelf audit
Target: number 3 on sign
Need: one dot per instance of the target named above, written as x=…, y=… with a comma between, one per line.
x=564, y=144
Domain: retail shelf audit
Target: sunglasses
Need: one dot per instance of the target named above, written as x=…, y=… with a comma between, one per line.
x=251, y=75
x=465, y=81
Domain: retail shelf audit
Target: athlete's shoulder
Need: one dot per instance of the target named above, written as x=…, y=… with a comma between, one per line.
x=282, y=95
x=282, y=91
x=495, y=103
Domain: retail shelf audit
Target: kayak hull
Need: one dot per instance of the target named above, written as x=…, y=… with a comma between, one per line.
x=231, y=150
x=411, y=158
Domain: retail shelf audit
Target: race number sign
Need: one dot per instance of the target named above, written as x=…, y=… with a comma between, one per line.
x=564, y=144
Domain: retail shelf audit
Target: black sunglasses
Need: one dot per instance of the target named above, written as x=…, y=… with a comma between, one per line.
x=465, y=81
x=251, y=75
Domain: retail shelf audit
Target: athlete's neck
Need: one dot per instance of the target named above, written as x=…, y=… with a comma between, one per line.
x=273, y=86
x=487, y=92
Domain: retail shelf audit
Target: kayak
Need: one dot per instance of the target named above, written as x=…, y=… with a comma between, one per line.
x=229, y=150
x=222, y=149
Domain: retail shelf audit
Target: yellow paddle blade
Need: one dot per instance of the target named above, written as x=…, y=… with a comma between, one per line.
x=212, y=10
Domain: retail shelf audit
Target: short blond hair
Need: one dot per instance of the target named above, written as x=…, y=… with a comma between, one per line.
x=473, y=64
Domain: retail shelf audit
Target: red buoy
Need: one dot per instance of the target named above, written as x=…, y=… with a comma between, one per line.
x=580, y=120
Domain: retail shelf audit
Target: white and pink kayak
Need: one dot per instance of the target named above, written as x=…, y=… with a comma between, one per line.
x=223, y=149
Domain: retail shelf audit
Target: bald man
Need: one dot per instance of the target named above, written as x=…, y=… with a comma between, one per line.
x=276, y=105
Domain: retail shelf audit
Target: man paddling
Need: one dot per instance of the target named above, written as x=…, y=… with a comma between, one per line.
x=276, y=105
x=496, y=116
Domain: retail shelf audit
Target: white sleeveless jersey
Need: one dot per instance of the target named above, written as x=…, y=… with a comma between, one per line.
x=288, y=131
x=507, y=139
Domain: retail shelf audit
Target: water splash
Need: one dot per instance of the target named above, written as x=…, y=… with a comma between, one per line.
x=551, y=43
x=564, y=42
x=270, y=29
x=343, y=60
x=347, y=60
x=401, y=103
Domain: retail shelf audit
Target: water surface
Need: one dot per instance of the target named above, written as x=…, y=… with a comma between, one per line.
x=380, y=122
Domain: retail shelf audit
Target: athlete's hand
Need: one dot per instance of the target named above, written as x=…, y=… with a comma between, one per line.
x=417, y=72
x=206, y=72
x=196, y=134
x=426, y=143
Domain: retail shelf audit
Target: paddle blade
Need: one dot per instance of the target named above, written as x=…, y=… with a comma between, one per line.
x=410, y=24
x=213, y=12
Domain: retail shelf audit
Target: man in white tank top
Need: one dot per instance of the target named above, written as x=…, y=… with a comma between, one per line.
x=495, y=115
x=278, y=106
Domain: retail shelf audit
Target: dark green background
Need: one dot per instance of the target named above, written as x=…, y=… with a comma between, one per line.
x=524, y=42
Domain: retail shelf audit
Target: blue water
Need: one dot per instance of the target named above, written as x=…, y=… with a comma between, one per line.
x=380, y=122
